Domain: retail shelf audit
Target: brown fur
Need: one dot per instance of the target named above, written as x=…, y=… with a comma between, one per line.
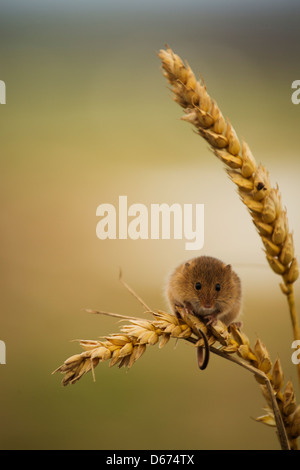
x=224, y=304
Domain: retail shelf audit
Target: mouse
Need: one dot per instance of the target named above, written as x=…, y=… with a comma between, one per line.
x=207, y=288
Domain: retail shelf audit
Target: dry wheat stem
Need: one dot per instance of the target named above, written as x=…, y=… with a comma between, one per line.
x=282, y=435
x=292, y=307
x=253, y=182
x=141, y=301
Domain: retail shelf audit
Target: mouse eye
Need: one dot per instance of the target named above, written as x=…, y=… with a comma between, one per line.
x=218, y=287
x=198, y=285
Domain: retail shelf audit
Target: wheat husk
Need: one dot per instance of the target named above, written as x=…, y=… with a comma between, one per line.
x=127, y=346
x=263, y=201
x=253, y=183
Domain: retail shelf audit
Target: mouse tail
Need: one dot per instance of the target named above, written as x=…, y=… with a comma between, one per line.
x=203, y=352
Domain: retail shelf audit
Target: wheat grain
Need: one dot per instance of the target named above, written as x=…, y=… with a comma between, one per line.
x=252, y=180
x=264, y=205
x=127, y=346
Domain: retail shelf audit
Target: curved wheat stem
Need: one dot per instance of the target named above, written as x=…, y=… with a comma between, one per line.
x=253, y=183
x=127, y=346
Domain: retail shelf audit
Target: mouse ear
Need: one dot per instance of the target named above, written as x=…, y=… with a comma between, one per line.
x=228, y=268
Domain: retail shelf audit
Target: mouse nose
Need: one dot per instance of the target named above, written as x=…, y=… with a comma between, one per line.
x=208, y=305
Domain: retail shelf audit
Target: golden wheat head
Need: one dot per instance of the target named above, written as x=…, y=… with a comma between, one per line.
x=127, y=346
x=252, y=180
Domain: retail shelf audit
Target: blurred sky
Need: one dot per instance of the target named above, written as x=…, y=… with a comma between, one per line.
x=155, y=5
x=89, y=117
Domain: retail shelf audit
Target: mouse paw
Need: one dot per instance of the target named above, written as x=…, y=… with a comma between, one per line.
x=237, y=324
x=188, y=309
x=211, y=319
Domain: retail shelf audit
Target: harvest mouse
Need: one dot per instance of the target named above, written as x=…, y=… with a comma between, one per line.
x=207, y=288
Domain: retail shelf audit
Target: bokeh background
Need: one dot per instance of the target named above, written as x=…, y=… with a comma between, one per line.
x=89, y=117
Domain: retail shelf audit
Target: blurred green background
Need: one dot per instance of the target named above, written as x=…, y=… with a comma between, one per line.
x=89, y=117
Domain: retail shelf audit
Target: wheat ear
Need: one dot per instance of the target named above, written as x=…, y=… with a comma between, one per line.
x=127, y=346
x=253, y=183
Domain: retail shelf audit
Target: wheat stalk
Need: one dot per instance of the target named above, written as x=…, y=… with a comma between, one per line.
x=127, y=346
x=264, y=203
x=253, y=182
x=124, y=348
